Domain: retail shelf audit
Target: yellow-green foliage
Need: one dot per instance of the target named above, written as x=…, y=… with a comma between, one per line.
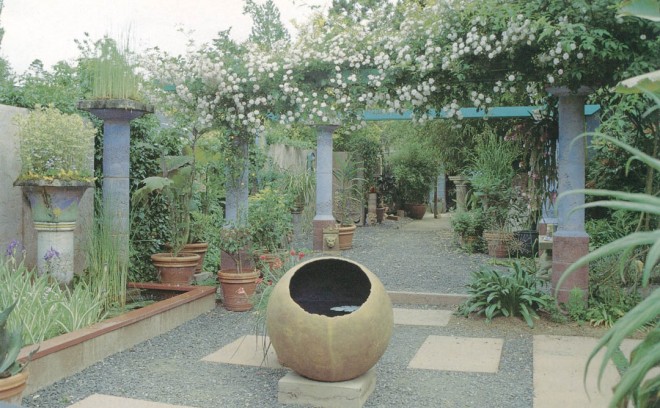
x=55, y=145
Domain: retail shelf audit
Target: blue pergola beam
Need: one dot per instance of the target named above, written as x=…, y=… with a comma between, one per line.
x=496, y=112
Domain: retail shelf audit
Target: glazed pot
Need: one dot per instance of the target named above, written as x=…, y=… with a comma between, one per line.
x=329, y=319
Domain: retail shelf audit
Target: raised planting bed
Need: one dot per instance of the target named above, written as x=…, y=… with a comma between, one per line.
x=70, y=353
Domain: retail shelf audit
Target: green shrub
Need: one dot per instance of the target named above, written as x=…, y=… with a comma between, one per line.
x=269, y=218
x=603, y=231
x=576, y=306
x=516, y=293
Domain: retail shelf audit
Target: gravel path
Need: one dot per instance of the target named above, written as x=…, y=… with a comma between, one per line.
x=407, y=256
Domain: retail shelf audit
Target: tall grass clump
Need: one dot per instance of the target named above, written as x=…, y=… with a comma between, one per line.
x=112, y=73
x=107, y=272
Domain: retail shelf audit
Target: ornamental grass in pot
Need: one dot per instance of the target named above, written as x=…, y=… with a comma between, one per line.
x=348, y=205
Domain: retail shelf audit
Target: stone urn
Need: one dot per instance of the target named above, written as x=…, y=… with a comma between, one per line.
x=54, y=208
x=329, y=319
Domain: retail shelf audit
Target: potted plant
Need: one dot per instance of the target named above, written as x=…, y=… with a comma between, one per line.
x=237, y=276
x=13, y=375
x=175, y=185
x=270, y=221
x=524, y=213
x=415, y=170
x=301, y=187
x=491, y=176
x=56, y=151
x=348, y=201
x=469, y=227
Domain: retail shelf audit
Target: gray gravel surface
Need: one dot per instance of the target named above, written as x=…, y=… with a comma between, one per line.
x=168, y=369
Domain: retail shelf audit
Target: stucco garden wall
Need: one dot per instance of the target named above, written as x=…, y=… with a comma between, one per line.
x=15, y=216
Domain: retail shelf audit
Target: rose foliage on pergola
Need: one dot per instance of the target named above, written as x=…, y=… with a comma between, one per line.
x=421, y=55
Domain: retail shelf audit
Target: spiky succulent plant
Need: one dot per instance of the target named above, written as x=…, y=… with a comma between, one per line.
x=10, y=345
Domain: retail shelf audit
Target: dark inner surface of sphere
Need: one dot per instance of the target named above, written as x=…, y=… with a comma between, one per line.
x=330, y=287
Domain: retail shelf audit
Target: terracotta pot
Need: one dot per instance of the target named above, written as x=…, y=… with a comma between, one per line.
x=416, y=211
x=498, y=243
x=200, y=249
x=315, y=339
x=346, y=236
x=177, y=270
x=11, y=388
x=237, y=289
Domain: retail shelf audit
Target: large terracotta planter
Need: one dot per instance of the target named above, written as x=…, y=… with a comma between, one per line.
x=315, y=339
x=237, y=289
x=417, y=211
x=346, y=236
x=198, y=248
x=11, y=388
x=175, y=270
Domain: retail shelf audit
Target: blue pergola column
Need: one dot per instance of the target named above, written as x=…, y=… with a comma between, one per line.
x=236, y=185
x=571, y=241
x=324, y=217
x=116, y=115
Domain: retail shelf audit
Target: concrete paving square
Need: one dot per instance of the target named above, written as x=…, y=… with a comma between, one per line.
x=247, y=350
x=467, y=354
x=109, y=401
x=421, y=317
x=559, y=363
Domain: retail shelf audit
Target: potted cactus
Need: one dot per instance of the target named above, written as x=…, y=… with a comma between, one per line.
x=13, y=376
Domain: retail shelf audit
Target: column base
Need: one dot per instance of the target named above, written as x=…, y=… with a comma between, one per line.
x=319, y=225
x=565, y=251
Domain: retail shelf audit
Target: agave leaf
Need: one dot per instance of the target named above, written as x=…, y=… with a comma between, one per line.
x=637, y=370
x=634, y=239
x=648, y=393
x=4, y=316
x=647, y=203
x=622, y=205
x=647, y=9
x=637, y=154
x=652, y=258
x=645, y=312
x=15, y=344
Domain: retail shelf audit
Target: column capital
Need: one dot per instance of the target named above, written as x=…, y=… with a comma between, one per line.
x=566, y=91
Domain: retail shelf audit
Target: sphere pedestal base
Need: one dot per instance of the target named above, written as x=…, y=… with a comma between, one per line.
x=296, y=389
